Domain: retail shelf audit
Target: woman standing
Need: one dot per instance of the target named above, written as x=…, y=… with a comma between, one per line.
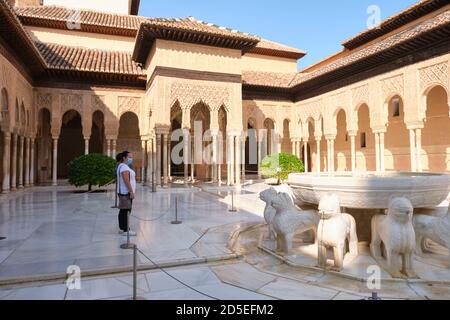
x=126, y=180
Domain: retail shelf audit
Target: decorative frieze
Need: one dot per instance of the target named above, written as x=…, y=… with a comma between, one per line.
x=72, y=102
x=360, y=95
x=44, y=100
x=98, y=103
x=129, y=104
x=189, y=94
x=392, y=86
x=436, y=74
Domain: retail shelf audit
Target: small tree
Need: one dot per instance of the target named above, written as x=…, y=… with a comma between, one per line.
x=92, y=170
x=280, y=165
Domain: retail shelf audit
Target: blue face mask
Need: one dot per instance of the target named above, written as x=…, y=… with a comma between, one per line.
x=130, y=161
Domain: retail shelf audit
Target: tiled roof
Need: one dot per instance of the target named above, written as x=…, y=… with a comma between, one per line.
x=100, y=22
x=273, y=48
x=60, y=57
x=90, y=21
x=20, y=42
x=267, y=79
x=417, y=10
x=377, y=48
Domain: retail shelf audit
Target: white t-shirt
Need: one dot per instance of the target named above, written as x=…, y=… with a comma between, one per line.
x=122, y=188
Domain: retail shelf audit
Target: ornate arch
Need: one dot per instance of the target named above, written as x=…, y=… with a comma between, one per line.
x=189, y=94
x=129, y=104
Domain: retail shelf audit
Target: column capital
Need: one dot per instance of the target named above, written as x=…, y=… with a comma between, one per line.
x=352, y=133
x=318, y=138
x=415, y=125
x=54, y=137
x=330, y=137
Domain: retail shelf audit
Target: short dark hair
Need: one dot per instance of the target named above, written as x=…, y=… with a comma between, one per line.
x=122, y=155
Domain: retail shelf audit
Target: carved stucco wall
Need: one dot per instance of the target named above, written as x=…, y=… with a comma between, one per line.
x=18, y=89
x=376, y=93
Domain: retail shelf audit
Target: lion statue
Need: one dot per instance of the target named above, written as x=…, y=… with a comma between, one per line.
x=269, y=212
x=289, y=220
x=435, y=228
x=334, y=229
x=395, y=230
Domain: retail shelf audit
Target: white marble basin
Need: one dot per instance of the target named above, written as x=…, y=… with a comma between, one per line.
x=372, y=190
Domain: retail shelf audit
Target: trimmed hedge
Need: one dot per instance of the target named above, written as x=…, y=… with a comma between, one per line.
x=280, y=165
x=92, y=170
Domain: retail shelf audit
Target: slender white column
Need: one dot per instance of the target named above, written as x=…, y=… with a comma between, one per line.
x=158, y=159
x=192, y=162
x=353, y=152
x=32, y=142
x=328, y=156
x=377, y=151
x=169, y=161
x=382, y=153
x=332, y=156
x=14, y=163
x=293, y=148
x=165, y=159
x=305, y=151
x=237, y=142
x=230, y=156
x=114, y=147
x=21, y=155
x=144, y=162
x=55, y=162
x=260, y=144
x=108, y=148
x=412, y=146
x=186, y=157
x=419, y=149
x=86, y=145
x=318, y=156
x=214, y=157
x=149, y=161
x=27, y=162
x=6, y=162
x=243, y=142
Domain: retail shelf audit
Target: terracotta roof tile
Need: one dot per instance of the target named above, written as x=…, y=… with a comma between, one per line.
x=267, y=79
x=94, y=21
x=376, y=48
x=267, y=46
x=415, y=11
x=88, y=60
x=86, y=17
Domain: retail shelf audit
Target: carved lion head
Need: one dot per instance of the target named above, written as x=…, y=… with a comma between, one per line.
x=268, y=195
x=400, y=209
x=282, y=201
x=330, y=205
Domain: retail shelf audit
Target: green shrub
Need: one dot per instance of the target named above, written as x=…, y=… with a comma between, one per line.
x=280, y=165
x=92, y=170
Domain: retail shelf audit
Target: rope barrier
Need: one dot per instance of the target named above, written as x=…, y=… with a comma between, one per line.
x=174, y=278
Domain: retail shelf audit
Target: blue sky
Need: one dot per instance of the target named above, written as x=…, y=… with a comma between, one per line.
x=317, y=26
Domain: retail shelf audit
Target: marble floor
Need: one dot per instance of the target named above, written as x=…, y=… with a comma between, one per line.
x=48, y=230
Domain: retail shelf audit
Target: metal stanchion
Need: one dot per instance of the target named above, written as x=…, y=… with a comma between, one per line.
x=233, y=209
x=135, y=296
x=374, y=296
x=134, y=272
x=128, y=245
x=176, y=212
x=115, y=200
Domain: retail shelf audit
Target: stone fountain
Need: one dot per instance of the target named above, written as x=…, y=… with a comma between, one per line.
x=366, y=194
x=394, y=213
